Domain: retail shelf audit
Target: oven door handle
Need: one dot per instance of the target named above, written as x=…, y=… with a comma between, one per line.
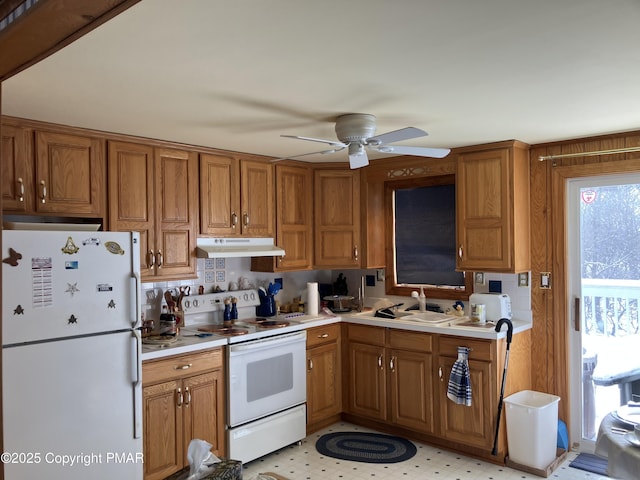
x=269, y=342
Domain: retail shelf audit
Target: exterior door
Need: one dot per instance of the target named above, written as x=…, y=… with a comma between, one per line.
x=603, y=224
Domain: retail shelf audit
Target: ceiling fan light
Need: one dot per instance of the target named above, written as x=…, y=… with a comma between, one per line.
x=356, y=149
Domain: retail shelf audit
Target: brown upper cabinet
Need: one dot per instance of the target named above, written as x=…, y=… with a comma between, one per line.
x=294, y=221
x=154, y=191
x=50, y=172
x=492, y=208
x=337, y=218
x=236, y=197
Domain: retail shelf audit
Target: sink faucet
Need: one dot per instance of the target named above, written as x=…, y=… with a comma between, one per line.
x=422, y=299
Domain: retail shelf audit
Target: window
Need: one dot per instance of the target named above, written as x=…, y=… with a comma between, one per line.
x=421, y=235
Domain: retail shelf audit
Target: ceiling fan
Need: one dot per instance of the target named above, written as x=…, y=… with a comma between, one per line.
x=356, y=132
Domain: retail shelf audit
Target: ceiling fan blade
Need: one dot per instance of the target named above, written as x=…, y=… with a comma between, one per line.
x=397, y=136
x=333, y=143
x=359, y=159
x=323, y=152
x=417, y=151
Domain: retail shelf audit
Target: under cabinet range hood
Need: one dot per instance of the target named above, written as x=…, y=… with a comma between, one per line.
x=237, y=247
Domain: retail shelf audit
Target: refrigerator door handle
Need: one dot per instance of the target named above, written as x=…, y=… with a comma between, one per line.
x=137, y=382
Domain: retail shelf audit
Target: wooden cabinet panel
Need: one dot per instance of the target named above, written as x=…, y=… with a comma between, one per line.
x=155, y=191
x=492, y=196
x=219, y=195
x=17, y=170
x=131, y=197
x=411, y=389
x=236, y=197
x=472, y=425
x=163, y=440
x=183, y=399
x=204, y=410
x=69, y=173
x=367, y=381
x=324, y=376
x=324, y=390
x=337, y=218
x=257, y=198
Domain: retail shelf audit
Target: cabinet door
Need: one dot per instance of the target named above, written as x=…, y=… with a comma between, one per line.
x=492, y=196
x=411, y=388
x=323, y=383
x=176, y=212
x=17, y=171
x=367, y=392
x=162, y=437
x=257, y=198
x=337, y=218
x=70, y=174
x=203, y=410
x=294, y=218
x=219, y=195
x=131, y=196
x=474, y=425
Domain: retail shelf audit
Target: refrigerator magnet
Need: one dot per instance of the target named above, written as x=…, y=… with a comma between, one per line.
x=72, y=288
x=111, y=304
x=13, y=258
x=72, y=319
x=18, y=310
x=114, y=247
x=70, y=248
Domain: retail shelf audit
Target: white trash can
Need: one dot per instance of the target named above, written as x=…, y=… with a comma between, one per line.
x=532, y=428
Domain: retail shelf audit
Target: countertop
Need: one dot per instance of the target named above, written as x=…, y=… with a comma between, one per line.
x=188, y=342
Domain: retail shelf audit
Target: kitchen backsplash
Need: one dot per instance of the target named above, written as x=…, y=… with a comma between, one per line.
x=221, y=272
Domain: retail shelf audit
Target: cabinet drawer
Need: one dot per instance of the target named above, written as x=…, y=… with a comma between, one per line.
x=480, y=349
x=366, y=334
x=324, y=334
x=421, y=342
x=181, y=366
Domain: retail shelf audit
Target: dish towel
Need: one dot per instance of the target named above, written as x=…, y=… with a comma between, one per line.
x=459, y=389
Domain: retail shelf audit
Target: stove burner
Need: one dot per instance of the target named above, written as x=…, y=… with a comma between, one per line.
x=225, y=331
x=271, y=323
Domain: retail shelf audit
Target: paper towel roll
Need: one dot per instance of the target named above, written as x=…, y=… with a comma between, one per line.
x=313, y=298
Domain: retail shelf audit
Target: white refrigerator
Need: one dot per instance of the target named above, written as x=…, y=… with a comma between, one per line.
x=71, y=365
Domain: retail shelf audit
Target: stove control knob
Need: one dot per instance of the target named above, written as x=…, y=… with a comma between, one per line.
x=187, y=304
x=195, y=304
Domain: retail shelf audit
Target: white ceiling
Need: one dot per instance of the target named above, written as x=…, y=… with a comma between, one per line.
x=237, y=74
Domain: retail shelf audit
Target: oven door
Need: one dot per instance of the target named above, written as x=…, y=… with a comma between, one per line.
x=266, y=376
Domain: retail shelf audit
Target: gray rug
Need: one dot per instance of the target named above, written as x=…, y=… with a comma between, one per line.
x=590, y=463
x=365, y=447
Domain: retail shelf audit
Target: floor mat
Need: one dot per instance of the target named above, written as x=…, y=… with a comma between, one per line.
x=365, y=447
x=590, y=463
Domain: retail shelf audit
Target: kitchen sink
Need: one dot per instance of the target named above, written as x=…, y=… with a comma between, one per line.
x=430, y=317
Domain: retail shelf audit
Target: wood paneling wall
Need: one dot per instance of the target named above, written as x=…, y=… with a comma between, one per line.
x=550, y=352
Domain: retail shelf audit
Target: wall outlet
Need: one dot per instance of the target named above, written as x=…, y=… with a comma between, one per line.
x=380, y=274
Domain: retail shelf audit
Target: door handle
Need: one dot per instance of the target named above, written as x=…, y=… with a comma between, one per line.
x=43, y=192
x=576, y=314
x=20, y=189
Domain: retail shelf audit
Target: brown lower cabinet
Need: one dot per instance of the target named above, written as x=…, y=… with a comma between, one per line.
x=324, y=379
x=183, y=398
x=396, y=381
x=390, y=376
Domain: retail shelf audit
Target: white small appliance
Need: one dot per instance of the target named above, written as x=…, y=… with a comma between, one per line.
x=498, y=305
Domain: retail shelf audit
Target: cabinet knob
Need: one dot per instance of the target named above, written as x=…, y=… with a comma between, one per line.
x=20, y=189
x=43, y=192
